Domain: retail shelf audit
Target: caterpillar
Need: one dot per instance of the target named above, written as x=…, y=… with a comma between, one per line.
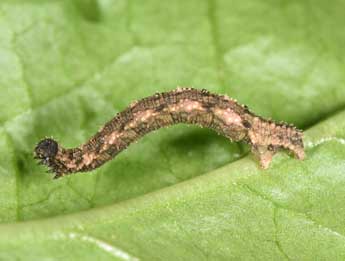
x=182, y=105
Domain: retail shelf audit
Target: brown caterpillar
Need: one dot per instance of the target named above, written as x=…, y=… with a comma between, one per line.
x=183, y=105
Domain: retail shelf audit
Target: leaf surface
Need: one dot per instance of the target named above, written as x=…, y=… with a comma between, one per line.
x=179, y=193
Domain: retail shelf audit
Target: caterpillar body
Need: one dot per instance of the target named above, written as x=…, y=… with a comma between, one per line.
x=182, y=105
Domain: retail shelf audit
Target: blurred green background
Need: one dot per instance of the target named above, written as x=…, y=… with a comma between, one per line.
x=181, y=193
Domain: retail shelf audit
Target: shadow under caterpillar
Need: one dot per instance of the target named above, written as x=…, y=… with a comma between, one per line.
x=183, y=105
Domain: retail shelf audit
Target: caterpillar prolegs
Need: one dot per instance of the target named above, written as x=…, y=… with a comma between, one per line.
x=182, y=105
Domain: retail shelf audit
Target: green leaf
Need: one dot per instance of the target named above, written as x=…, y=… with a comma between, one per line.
x=180, y=193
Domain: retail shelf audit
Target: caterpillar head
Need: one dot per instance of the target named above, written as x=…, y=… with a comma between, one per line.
x=46, y=150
